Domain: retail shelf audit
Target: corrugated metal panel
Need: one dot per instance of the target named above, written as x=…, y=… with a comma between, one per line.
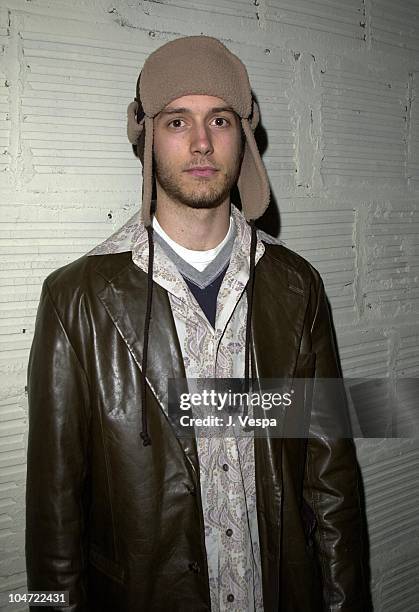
x=393, y=263
x=399, y=591
x=364, y=123
x=12, y=448
x=233, y=8
x=392, y=496
x=13, y=426
x=54, y=243
x=271, y=73
x=413, y=137
x=12, y=416
x=395, y=23
x=279, y=157
x=406, y=388
x=4, y=95
x=76, y=92
x=14, y=583
x=343, y=17
x=82, y=11
x=407, y=359
x=364, y=354
x=325, y=238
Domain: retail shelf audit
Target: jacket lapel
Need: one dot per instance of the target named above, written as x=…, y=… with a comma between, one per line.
x=124, y=298
x=279, y=308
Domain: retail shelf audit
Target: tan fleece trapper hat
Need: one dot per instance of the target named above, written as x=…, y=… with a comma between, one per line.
x=198, y=65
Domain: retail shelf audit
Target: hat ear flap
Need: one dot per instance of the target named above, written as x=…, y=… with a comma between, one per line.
x=254, y=119
x=253, y=182
x=147, y=172
x=135, y=121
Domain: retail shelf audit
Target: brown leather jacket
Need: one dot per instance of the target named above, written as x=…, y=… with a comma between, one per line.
x=120, y=525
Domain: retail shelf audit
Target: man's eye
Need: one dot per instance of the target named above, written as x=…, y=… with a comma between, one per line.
x=176, y=123
x=221, y=122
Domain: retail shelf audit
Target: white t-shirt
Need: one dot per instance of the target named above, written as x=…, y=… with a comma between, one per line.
x=197, y=259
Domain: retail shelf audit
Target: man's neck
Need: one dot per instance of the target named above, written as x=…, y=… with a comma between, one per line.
x=192, y=228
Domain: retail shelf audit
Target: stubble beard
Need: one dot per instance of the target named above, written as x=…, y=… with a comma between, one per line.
x=207, y=194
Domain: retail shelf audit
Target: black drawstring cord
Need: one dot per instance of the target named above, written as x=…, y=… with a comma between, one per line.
x=144, y=433
x=249, y=291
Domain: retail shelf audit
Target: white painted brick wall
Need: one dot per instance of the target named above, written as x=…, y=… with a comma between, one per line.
x=337, y=82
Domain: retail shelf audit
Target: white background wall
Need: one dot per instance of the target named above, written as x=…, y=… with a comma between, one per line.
x=337, y=82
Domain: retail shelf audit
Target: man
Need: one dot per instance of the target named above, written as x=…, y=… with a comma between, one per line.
x=122, y=512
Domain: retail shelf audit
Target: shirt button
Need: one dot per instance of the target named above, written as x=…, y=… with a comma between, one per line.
x=191, y=489
x=229, y=532
x=194, y=567
x=230, y=597
x=225, y=467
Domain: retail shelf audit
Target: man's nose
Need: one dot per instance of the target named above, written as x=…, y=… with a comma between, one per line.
x=201, y=141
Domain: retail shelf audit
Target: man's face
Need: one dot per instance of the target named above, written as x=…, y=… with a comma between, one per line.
x=197, y=150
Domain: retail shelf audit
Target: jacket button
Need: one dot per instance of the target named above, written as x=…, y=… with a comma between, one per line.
x=229, y=532
x=225, y=467
x=230, y=597
x=194, y=567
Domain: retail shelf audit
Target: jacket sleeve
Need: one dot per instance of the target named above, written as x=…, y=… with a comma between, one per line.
x=57, y=461
x=331, y=485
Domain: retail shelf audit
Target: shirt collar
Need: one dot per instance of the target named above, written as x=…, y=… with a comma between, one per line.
x=132, y=236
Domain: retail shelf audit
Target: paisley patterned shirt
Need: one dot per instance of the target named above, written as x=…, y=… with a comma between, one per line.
x=227, y=464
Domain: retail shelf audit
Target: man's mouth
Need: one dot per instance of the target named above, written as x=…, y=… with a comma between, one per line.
x=202, y=171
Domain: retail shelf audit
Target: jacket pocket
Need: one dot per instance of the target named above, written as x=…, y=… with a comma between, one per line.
x=106, y=566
